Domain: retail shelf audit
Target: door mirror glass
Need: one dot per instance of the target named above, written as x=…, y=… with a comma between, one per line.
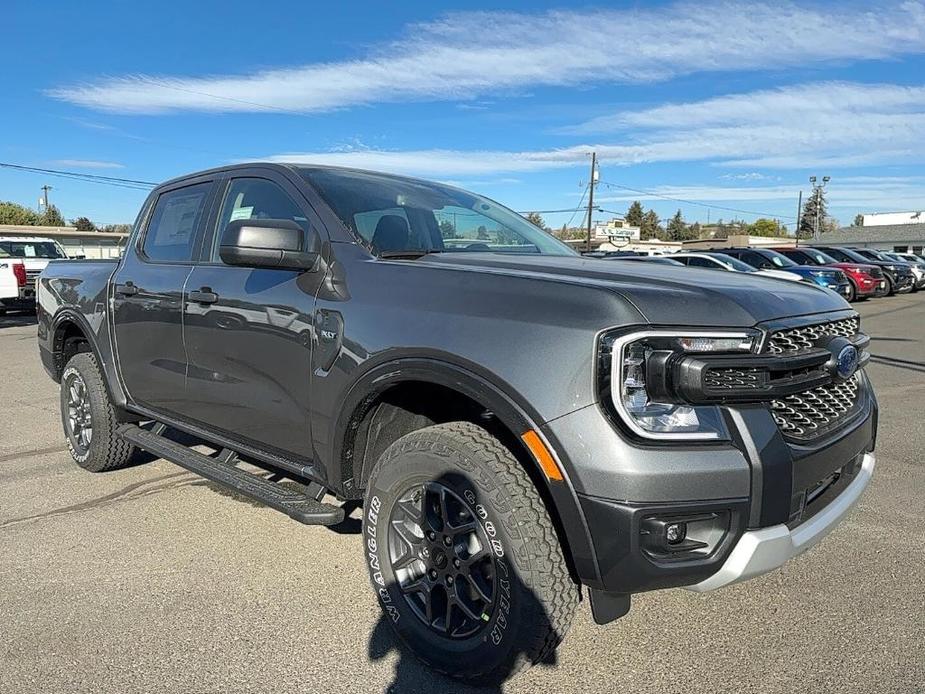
x=269, y=243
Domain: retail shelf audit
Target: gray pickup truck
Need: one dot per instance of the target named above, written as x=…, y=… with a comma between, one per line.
x=522, y=426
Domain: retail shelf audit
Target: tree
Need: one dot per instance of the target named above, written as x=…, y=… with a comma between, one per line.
x=634, y=214
x=447, y=229
x=51, y=217
x=482, y=233
x=814, y=208
x=650, y=228
x=11, y=213
x=83, y=224
x=765, y=227
x=695, y=230
x=535, y=219
x=677, y=229
x=120, y=228
x=858, y=220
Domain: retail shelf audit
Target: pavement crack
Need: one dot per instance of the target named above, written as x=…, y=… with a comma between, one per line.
x=121, y=495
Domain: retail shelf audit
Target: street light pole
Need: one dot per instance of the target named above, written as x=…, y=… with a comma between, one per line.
x=817, y=199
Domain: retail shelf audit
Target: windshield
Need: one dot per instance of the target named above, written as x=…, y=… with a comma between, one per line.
x=31, y=249
x=736, y=264
x=819, y=257
x=395, y=215
x=779, y=259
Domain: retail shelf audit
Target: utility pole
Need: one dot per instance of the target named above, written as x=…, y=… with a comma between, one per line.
x=44, y=201
x=799, y=218
x=591, y=184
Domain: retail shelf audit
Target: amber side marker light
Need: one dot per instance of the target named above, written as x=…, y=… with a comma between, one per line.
x=543, y=456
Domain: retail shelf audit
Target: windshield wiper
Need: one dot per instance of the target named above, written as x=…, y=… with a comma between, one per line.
x=409, y=254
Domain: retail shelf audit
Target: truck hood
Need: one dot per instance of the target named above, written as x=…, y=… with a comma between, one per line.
x=663, y=294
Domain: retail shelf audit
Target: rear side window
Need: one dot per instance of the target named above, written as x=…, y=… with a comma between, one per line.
x=702, y=262
x=171, y=234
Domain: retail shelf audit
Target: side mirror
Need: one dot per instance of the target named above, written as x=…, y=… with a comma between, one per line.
x=269, y=243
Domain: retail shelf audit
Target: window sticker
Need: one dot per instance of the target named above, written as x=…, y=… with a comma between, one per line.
x=241, y=213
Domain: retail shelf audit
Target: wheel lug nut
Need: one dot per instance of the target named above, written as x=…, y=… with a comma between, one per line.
x=449, y=580
x=433, y=575
x=456, y=563
x=447, y=540
x=431, y=535
x=425, y=552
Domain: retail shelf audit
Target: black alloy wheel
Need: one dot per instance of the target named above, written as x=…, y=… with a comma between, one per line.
x=442, y=560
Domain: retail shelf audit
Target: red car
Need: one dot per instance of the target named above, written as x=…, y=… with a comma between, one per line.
x=866, y=280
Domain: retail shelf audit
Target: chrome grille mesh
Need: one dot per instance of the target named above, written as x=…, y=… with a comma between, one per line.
x=732, y=378
x=796, y=339
x=813, y=412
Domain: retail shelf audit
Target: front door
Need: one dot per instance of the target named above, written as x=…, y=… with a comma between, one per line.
x=250, y=341
x=147, y=297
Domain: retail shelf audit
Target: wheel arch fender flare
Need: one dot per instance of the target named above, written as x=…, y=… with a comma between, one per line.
x=511, y=411
x=100, y=349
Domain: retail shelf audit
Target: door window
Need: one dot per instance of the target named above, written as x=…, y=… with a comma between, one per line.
x=702, y=262
x=256, y=198
x=171, y=234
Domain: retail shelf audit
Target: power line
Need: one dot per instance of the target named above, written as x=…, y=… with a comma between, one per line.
x=699, y=204
x=569, y=223
x=132, y=183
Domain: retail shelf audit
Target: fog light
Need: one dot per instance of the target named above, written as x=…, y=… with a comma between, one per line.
x=675, y=533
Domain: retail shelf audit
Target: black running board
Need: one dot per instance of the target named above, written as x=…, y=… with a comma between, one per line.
x=297, y=506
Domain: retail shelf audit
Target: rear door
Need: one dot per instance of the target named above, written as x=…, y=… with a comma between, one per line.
x=250, y=342
x=148, y=291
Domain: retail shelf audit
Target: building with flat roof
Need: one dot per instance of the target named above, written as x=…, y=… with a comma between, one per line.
x=901, y=238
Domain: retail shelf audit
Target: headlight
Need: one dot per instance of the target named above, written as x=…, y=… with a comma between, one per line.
x=638, y=370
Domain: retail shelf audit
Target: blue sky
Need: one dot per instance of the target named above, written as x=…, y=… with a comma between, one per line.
x=725, y=104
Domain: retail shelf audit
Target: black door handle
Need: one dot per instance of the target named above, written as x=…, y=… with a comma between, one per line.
x=203, y=296
x=127, y=289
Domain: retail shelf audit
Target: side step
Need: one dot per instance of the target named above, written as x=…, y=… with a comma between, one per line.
x=297, y=506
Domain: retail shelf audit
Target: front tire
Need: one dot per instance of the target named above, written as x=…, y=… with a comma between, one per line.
x=463, y=555
x=89, y=418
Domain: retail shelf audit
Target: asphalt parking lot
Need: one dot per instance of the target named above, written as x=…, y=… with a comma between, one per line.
x=147, y=579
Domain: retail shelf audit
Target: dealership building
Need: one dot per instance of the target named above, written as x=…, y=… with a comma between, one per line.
x=900, y=238
x=90, y=244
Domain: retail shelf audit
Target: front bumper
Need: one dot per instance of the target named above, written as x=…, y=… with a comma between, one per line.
x=765, y=549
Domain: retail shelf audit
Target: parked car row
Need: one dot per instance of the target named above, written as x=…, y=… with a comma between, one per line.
x=854, y=273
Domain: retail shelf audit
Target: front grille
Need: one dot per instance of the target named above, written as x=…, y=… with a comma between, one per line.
x=797, y=339
x=812, y=413
x=724, y=379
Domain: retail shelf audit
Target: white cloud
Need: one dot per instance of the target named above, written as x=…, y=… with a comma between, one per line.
x=465, y=55
x=749, y=176
x=86, y=164
x=827, y=124
x=848, y=192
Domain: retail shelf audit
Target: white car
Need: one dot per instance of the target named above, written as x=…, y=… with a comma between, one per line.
x=14, y=292
x=34, y=252
x=720, y=261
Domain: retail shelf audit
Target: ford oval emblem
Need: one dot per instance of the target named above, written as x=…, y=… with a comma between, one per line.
x=846, y=363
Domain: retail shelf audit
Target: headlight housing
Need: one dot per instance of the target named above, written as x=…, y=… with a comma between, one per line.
x=638, y=369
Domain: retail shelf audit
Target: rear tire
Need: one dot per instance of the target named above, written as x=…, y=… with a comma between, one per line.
x=852, y=293
x=512, y=597
x=889, y=287
x=89, y=418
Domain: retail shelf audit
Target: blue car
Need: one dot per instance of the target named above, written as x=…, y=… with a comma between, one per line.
x=766, y=259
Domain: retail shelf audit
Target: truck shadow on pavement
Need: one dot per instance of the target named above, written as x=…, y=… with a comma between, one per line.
x=18, y=320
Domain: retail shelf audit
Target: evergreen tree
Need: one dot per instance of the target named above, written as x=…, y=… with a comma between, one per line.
x=535, y=219
x=677, y=229
x=858, y=220
x=815, y=206
x=83, y=224
x=650, y=227
x=51, y=217
x=634, y=215
x=11, y=213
